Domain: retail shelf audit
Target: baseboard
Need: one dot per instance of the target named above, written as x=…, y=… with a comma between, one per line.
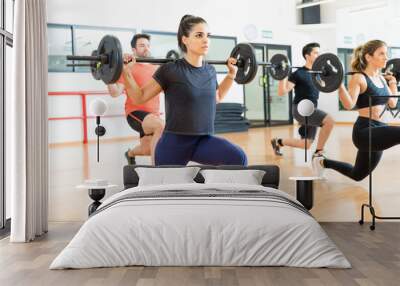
x=94, y=141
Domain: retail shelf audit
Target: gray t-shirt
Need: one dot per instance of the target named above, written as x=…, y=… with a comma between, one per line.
x=190, y=97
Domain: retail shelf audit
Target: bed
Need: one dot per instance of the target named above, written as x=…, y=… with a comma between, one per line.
x=201, y=224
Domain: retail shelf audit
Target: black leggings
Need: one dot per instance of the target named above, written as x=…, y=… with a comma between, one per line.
x=383, y=137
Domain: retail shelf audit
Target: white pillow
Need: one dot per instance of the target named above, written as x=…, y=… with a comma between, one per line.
x=166, y=176
x=248, y=177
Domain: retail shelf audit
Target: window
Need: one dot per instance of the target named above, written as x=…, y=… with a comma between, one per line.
x=2, y=125
x=79, y=40
x=220, y=47
x=394, y=52
x=87, y=39
x=6, y=42
x=162, y=42
x=345, y=57
x=9, y=12
x=66, y=40
x=59, y=46
x=7, y=89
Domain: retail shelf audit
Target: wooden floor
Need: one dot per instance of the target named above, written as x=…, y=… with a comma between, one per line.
x=374, y=255
x=336, y=199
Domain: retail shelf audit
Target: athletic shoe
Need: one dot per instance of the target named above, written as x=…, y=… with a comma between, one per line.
x=318, y=168
x=276, y=147
x=131, y=160
x=320, y=153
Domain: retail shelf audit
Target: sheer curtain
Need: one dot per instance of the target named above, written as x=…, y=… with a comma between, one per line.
x=26, y=123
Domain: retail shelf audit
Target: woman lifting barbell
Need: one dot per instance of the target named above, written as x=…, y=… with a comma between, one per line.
x=191, y=92
x=368, y=60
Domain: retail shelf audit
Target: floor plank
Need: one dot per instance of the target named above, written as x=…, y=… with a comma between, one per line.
x=374, y=255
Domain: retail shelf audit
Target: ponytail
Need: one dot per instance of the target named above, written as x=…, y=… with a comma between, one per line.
x=359, y=62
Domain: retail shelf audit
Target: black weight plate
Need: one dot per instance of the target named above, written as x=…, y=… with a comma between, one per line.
x=332, y=72
x=280, y=66
x=93, y=67
x=110, y=71
x=247, y=63
x=393, y=66
x=173, y=55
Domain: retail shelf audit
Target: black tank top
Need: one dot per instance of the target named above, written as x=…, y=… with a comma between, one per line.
x=372, y=89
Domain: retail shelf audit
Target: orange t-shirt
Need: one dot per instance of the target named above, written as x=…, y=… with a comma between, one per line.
x=142, y=73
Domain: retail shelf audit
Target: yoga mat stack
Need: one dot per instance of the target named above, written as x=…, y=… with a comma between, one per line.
x=229, y=118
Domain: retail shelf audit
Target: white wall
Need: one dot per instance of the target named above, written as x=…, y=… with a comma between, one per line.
x=360, y=21
x=363, y=23
x=71, y=106
x=227, y=18
x=65, y=106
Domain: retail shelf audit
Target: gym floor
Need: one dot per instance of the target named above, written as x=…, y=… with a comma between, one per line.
x=336, y=199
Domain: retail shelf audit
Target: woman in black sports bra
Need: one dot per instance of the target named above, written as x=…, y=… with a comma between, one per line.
x=368, y=61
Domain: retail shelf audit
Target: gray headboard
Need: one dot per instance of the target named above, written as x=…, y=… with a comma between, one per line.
x=270, y=179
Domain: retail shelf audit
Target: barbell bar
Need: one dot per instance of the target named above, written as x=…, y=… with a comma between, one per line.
x=108, y=61
x=327, y=72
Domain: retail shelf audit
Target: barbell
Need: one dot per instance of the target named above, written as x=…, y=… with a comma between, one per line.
x=106, y=63
x=328, y=73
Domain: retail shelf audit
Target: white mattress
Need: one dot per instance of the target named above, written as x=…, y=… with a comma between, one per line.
x=189, y=231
